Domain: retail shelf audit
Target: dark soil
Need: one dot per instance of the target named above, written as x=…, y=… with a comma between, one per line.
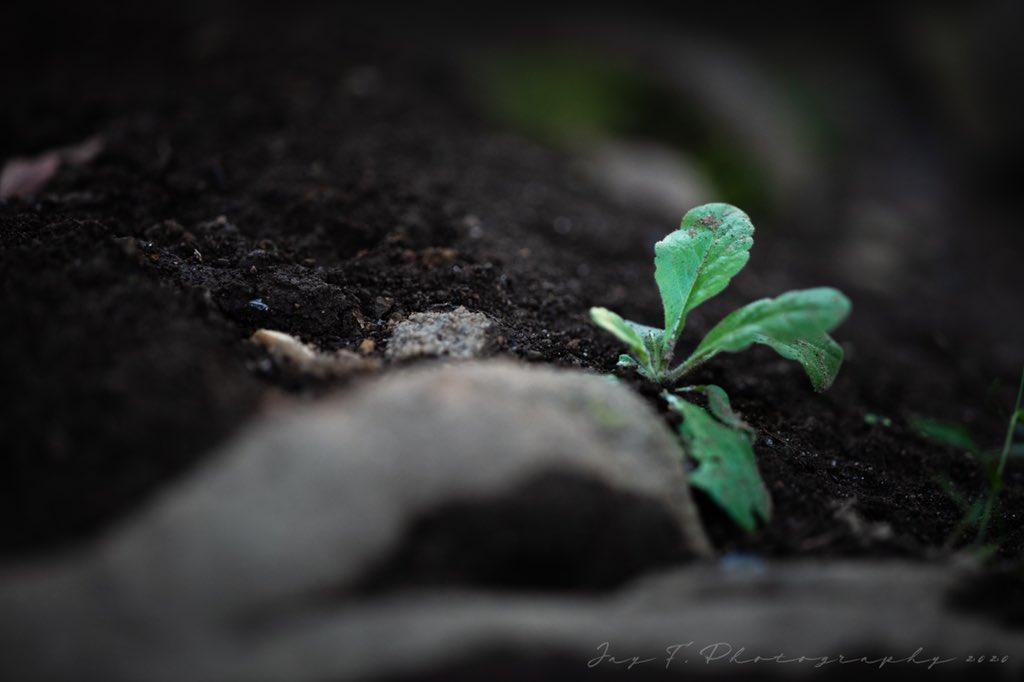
x=339, y=174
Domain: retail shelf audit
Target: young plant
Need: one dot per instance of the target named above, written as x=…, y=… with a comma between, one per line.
x=978, y=513
x=695, y=263
x=692, y=265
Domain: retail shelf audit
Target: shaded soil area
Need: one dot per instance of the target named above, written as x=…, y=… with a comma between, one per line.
x=322, y=178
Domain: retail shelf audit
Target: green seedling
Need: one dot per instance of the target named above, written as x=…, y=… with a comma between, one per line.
x=692, y=265
x=979, y=511
x=695, y=263
x=872, y=419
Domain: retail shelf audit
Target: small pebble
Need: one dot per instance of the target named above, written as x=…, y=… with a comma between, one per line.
x=287, y=349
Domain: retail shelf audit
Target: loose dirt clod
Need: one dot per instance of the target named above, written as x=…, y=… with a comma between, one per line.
x=457, y=334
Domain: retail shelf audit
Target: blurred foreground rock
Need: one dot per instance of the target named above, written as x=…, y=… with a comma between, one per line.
x=468, y=522
x=486, y=474
x=887, y=620
x=844, y=620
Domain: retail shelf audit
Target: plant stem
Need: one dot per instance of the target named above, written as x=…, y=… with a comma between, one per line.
x=996, y=482
x=686, y=367
x=986, y=514
x=1009, y=431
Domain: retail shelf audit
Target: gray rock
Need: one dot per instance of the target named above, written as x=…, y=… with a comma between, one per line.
x=457, y=334
x=484, y=473
x=648, y=177
x=844, y=608
x=710, y=612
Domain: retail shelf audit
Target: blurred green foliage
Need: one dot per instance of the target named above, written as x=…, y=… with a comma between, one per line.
x=947, y=433
x=979, y=512
x=561, y=97
x=575, y=98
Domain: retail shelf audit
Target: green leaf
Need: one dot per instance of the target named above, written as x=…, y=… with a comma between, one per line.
x=718, y=403
x=794, y=324
x=820, y=357
x=652, y=339
x=959, y=500
x=726, y=468
x=945, y=433
x=975, y=513
x=696, y=262
x=872, y=419
x=971, y=518
x=622, y=330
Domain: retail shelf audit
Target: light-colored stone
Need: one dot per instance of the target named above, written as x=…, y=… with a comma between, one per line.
x=819, y=610
x=456, y=334
x=290, y=351
x=813, y=609
x=312, y=503
x=649, y=177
